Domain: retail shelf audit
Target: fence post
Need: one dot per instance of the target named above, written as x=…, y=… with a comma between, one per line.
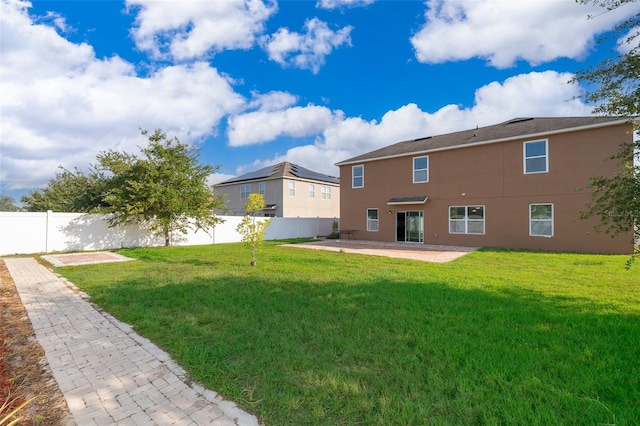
x=46, y=230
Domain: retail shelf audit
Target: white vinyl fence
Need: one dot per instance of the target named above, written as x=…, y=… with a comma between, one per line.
x=24, y=233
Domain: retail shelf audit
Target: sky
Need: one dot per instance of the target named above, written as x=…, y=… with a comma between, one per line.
x=252, y=83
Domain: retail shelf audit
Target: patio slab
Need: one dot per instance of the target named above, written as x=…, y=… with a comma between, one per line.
x=84, y=258
x=414, y=251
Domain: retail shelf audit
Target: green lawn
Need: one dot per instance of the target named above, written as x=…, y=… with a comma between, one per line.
x=311, y=337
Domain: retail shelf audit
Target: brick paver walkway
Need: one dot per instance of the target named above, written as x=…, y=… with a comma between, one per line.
x=107, y=373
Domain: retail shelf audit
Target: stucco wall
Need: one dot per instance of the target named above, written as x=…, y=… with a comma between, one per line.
x=303, y=205
x=235, y=204
x=492, y=176
x=277, y=192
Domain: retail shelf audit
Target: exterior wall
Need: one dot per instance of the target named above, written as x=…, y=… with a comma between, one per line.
x=302, y=205
x=272, y=195
x=492, y=176
x=277, y=192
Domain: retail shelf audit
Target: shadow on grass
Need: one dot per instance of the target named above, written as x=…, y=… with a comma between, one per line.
x=383, y=351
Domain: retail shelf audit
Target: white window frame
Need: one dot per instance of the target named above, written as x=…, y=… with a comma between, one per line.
x=245, y=190
x=534, y=157
x=261, y=188
x=292, y=188
x=532, y=220
x=312, y=191
x=373, y=225
x=326, y=192
x=426, y=169
x=466, y=220
x=354, y=177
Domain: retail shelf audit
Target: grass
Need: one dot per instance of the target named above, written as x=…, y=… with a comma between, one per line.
x=322, y=338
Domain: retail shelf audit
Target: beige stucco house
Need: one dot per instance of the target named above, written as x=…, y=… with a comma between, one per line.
x=514, y=185
x=289, y=191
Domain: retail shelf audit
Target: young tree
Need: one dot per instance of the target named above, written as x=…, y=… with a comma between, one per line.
x=8, y=204
x=615, y=84
x=166, y=190
x=251, y=229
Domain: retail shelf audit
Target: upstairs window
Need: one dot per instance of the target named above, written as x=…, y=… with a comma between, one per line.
x=466, y=220
x=292, y=188
x=326, y=192
x=312, y=191
x=541, y=220
x=421, y=169
x=261, y=188
x=357, y=175
x=245, y=190
x=536, y=157
x=372, y=220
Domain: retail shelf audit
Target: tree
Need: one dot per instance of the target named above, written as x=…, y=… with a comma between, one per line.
x=166, y=190
x=251, y=229
x=8, y=204
x=615, y=81
x=69, y=191
x=616, y=91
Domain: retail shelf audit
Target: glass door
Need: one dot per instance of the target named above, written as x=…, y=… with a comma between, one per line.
x=410, y=226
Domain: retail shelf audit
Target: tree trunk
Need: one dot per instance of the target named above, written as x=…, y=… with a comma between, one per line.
x=254, y=255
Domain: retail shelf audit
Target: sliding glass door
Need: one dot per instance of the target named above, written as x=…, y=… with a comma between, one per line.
x=410, y=226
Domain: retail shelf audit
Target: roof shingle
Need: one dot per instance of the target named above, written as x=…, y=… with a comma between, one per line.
x=281, y=170
x=523, y=127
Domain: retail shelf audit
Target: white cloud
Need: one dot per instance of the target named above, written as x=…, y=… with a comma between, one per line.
x=307, y=50
x=503, y=32
x=61, y=105
x=526, y=95
x=272, y=101
x=264, y=126
x=216, y=178
x=335, y=4
x=191, y=29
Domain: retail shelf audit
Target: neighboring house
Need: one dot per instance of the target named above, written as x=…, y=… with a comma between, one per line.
x=513, y=185
x=289, y=191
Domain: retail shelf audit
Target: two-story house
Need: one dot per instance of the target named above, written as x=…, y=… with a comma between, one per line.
x=289, y=191
x=519, y=184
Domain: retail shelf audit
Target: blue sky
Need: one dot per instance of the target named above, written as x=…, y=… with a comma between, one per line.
x=255, y=82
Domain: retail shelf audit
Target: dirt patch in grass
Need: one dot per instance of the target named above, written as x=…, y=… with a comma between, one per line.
x=24, y=371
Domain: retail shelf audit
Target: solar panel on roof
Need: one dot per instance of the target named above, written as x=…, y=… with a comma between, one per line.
x=519, y=120
x=295, y=170
x=265, y=172
x=303, y=173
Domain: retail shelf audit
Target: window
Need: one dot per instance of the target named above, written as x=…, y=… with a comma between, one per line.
x=326, y=192
x=536, y=158
x=357, y=175
x=312, y=191
x=292, y=188
x=261, y=188
x=466, y=220
x=420, y=169
x=245, y=190
x=541, y=220
x=372, y=220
